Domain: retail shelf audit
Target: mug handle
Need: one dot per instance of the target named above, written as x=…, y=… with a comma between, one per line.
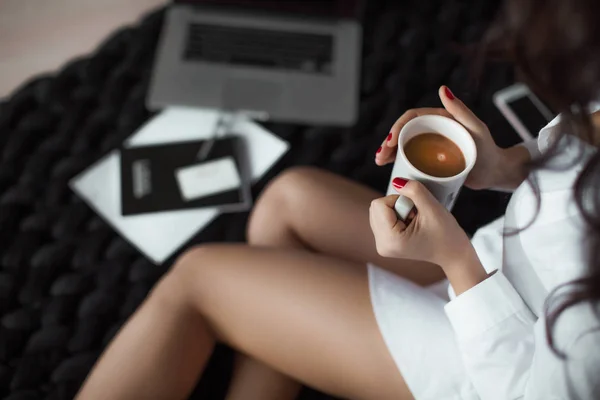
x=405, y=209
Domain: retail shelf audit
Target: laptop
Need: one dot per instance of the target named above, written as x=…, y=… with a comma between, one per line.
x=290, y=61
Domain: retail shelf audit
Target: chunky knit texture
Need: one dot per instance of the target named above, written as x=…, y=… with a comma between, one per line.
x=68, y=281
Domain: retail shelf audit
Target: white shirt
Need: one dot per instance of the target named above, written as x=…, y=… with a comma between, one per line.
x=500, y=323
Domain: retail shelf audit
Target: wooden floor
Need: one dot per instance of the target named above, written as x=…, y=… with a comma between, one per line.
x=41, y=35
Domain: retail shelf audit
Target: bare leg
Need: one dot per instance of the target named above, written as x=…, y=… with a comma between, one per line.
x=311, y=209
x=252, y=379
x=304, y=314
x=306, y=208
x=328, y=214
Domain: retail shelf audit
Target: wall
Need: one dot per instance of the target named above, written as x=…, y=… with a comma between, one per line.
x=41, y=35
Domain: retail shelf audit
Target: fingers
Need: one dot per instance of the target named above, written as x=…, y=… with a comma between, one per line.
x=398, y=125
x=418, y=193
x=384, y=155
x=459, y=111
x=382, y=213
x=385, y=225
x=387, y=152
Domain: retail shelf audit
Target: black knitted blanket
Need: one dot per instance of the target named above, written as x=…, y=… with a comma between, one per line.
x=68, y=281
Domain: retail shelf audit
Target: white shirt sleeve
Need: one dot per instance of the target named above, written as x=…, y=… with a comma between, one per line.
x=505, y=350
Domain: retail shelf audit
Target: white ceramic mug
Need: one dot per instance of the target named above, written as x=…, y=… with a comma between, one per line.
x=445, y=190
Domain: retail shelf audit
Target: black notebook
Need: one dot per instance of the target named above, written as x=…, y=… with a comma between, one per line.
x=170, y=177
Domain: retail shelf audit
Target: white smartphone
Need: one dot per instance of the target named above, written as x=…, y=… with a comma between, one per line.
x=523, y=110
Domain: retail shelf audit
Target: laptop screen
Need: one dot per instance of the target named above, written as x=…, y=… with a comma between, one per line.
x=326, y=8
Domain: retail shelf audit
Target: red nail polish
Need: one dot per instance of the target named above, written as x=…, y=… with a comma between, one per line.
x=378, y=150
x=389, y=137
x=399, y=183
x=449, y=93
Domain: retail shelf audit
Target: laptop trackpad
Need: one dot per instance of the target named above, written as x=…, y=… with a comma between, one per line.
x=251, y=95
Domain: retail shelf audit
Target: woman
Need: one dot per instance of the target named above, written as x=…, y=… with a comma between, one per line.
x=301, y=305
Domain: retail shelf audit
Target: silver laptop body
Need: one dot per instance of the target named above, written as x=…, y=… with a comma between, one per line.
x=274, y=63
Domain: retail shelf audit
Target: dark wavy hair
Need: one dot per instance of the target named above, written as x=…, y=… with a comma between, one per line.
x=555, y=46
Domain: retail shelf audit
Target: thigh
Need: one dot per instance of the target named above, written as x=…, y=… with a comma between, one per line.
x=306, y=315
x=331, y=215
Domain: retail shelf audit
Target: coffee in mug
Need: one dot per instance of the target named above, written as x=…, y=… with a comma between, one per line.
x=435, y=155
x=436, y=151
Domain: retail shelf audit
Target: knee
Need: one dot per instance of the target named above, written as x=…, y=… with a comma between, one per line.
x=279, y=197
x=183, y=284
x=285, y=185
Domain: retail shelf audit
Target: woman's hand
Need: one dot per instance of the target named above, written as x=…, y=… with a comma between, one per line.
x=489, y=156
x=433, y=236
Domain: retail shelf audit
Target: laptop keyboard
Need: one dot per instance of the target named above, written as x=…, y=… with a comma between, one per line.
x=304, y=52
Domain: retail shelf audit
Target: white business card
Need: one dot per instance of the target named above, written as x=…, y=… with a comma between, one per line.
x=208, y=178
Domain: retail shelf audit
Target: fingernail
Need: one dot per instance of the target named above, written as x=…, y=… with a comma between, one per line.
x=378, y=150
x=399, y=183
x=449, y=93
x=389, y=137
